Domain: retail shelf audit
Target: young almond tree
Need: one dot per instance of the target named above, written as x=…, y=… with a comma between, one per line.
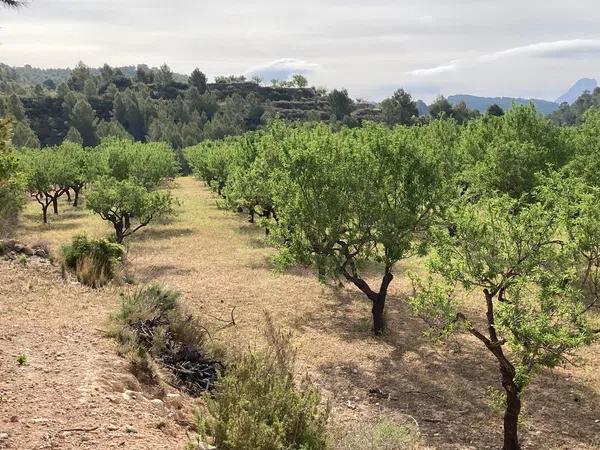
x=79, y=166
x=46, y=176
x=248, y=186
x=358, y=195
x=517, y=263
x=127, y=205
x=211, y=161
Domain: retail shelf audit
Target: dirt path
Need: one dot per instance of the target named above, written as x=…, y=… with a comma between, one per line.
x=72, y=379
x=219, y=262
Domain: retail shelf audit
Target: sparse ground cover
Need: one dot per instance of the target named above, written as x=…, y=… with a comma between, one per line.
x=73, y=378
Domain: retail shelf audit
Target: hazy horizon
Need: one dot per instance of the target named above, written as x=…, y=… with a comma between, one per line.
x=478, y=47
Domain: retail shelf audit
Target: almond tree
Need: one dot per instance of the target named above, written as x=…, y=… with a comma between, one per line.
x=76, y=163
x=354, y=196
x=128, y=206
x=518, y=257
x=46, y=178
x=130, y=193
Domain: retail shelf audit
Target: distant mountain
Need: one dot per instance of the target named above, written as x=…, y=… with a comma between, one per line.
x=585, y=84
x=422, y=108
x=483, y=103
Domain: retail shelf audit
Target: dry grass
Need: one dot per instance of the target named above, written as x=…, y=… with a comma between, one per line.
x=62, y=227
x=218, y=262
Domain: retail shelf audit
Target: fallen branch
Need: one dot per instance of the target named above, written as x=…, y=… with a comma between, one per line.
x=432, y=420
x=229, y=322
x=83, y=430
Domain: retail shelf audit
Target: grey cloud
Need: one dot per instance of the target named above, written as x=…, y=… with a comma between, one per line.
x=426, y=46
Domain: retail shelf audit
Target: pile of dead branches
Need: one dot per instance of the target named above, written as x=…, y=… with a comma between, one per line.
x=190, y=367
x=154, y=324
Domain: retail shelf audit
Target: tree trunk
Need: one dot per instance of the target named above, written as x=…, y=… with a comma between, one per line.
x=378, y=298
x=378, y=308
x=68, y=192
x=511, y=415
x=76, y=199
x=45, y=213
x=378, y=315
x=55, y=204
x=127, y=222
x=119, y=231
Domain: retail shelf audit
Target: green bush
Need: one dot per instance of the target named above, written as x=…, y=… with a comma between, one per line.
x=257, y=404
x=95, y=261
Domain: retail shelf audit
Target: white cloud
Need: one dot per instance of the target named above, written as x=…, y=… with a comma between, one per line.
x=452, y=66
x=553, y=49
x=282, y=69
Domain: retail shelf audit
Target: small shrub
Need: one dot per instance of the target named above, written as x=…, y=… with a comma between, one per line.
x=22, y=359
x=22, y=260
x=257, y=404
x=152, y=323
x=91, y=272
x=94, y=261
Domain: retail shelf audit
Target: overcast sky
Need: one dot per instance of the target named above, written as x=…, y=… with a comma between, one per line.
x=529, y=48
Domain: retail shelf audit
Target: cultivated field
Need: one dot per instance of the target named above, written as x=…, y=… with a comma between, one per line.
x=75, y=391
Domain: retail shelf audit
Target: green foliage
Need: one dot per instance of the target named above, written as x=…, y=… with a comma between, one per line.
x=83, y=118
x=534, y=263
x=22, y=359
x=507, y=153
x=333, y=219
x=15, y=108
x=74, y=136
x=145, y=304
x=80, y=74
x=11, y=181
x=259, y=406
x=24, y=136
x=198, y=80
x=148, y=165
x=399, y=109
x=95, y=261
x=210, y=162
x=128, y=205
x=112, y=129
x=299, y=80
x=339, y=103
x=586, y=140
x=576, y=113
x=495, y=110
x=305, y=178
x=440, y=108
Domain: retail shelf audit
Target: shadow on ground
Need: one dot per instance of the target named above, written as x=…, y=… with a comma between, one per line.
x=446, y=386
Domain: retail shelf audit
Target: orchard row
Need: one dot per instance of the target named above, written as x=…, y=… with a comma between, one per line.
x=505, y=209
